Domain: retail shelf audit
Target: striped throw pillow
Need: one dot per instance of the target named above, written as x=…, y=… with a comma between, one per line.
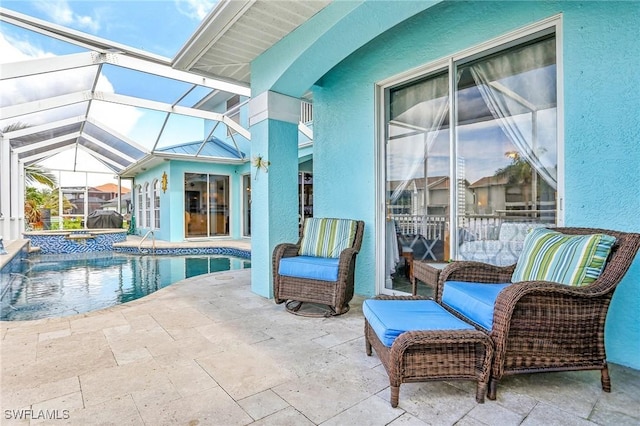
x=575, y=260
x=327, y=237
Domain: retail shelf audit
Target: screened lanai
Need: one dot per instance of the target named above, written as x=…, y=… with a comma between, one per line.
x=105, y=108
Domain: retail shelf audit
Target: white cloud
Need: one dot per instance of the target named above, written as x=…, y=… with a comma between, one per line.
x=60, y=12
x=15, y=50
x=122, y=118
x=195, y=9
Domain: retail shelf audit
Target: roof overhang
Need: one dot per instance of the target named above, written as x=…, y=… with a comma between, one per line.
x=236, y=32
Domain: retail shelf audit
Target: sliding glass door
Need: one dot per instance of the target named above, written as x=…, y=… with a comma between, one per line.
x=206, y=205
x=469, y=148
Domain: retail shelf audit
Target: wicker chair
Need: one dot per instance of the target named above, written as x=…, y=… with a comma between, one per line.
x=336, y=295
x=541, y=326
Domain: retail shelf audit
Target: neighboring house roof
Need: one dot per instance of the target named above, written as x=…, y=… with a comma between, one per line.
x=114, y=201
x=434, y=182
x=214, y=147
x=489, y=181
x=96, y=200
x=111, y=187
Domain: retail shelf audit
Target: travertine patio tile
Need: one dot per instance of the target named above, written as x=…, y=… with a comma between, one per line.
x=55, y=368
x=97, y=321
x=407, y=419
x=140, y=322
x=116, y=411
x=544, y=415
x=300, y=356
x=287, y=417
x=58, y=408
x=469, y=421
x=20, y=329
x=73, y=345
x=155, y=397
x=106, y=383
x=16, y=351
x=49, y=335
x=354, y=350
x=230, y=333
x=132, y=355
x=188, y=377
x=17, y=397
x=558, y=390
x=125, y=338
x=617, y=408
x=491, y=413
x=323, y=394
x=245, y=370
x=516, y=402
x=263, y=404
x=434, y=402
x=192, y=347
x=209, y=407
x=185, y=317
x=372, y=411
x=337, y=334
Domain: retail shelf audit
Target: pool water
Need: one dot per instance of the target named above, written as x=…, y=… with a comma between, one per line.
x=60, y=285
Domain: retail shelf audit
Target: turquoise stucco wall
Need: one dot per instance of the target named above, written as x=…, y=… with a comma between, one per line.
x=274, y=212
x=601, y=129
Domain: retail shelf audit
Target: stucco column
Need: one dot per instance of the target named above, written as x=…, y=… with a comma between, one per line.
x=273, y=121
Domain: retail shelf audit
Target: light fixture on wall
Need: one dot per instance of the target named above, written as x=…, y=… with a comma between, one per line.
x=165, y=182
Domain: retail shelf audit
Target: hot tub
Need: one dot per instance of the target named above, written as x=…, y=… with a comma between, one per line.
x=75, y=241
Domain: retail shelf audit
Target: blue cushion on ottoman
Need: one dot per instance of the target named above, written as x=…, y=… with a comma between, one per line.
x=473, y=300
x=315, y=268
x=391, y=318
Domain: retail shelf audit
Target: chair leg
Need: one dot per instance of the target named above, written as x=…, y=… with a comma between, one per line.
x=605, y=379
x=395, y=395
x=493, y=387
x=367, y=346
x=481, y=390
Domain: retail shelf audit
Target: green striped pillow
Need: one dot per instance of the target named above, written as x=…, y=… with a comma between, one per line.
x=327, y=237
x=575, y=260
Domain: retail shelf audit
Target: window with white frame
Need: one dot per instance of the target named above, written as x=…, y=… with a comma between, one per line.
x=147, y=206
x=156, y=204
x=471, y=153
x=140, y=206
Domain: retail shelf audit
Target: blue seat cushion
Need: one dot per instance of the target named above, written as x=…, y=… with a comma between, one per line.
x=391, y=318
x=315, y=268
x=473, y=300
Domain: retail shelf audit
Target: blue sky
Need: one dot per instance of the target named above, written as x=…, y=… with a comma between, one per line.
x=159, y=27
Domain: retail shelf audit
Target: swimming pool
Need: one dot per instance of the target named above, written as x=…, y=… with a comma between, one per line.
x=51, y=286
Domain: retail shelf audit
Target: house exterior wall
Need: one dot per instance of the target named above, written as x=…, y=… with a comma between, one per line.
x=172, y=201
x=601, y=99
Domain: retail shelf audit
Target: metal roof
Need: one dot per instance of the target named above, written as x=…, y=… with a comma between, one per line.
x=72, y=102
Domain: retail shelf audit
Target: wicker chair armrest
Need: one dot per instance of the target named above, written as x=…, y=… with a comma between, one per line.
x=511, y=295
x=477, y=272
x=285, y=250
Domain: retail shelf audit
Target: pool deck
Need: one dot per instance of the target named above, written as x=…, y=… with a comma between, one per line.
x=207, y=350
x=134, y=241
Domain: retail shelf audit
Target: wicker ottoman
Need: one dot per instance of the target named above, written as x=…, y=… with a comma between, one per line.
x=433, y=354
